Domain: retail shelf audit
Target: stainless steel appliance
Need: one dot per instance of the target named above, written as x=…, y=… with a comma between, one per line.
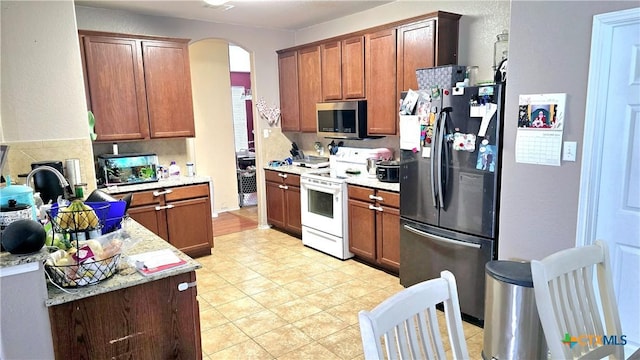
x=124, y=169
x=323, y=200
x=449, y=201
x=342, y=119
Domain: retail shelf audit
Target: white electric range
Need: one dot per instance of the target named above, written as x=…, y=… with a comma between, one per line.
x=323, y=196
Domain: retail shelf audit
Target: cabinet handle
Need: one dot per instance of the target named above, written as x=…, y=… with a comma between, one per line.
x=158, y=208
x=158, y=193
x=285, y=187
x=373, y=197
x=376, y=208
x=284, y=176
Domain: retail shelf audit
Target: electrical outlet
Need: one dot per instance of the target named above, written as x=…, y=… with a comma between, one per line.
x=569, y=151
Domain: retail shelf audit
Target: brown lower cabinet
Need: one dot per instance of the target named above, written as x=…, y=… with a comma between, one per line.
x=283, y=201
x=180, y=215
x=374, y=226
x=153, y=320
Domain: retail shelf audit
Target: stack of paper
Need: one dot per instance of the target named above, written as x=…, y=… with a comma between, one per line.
x=156, y=261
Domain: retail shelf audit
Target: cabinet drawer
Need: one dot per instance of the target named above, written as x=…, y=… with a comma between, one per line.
x=292, y=180
x=389, y=198
x=275, y=176
x=187, y=192
x=360, y=193
x=144, y=198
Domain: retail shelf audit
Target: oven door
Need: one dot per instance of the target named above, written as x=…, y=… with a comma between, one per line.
x=322, y=205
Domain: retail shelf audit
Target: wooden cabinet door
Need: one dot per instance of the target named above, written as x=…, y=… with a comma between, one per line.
x=190, y=226
x=275, y=204
x=289, y=101
x=115, y=85
x=362, y=230
x=310, y=86
x=153, y=320
x=353, y=68
x=168, y=86
x=331, y=70
x=292, y=200
x=416, y=50
x=152, y=219
x=388, y=233
x=382, y=106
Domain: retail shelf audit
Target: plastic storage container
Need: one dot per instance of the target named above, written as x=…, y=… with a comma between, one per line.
x=512, y=327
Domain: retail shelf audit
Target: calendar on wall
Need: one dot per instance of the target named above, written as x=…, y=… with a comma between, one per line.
x=540, y=126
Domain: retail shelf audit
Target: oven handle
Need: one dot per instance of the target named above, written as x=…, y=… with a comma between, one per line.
x=331, y=190
x=440, y=238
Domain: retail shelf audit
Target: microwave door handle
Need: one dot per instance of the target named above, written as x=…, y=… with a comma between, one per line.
x=434, y=146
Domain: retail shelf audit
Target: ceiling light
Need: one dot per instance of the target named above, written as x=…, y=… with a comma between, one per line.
x=216, y=2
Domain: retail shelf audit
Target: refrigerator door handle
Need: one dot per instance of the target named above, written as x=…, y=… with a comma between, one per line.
x=434, y=147
x=441, y=144
x=441, y=239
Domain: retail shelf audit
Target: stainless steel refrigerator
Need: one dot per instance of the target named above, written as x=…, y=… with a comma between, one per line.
x=449, y=201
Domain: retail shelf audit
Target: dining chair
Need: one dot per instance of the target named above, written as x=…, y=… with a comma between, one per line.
x=567, y=301
x=406, y=324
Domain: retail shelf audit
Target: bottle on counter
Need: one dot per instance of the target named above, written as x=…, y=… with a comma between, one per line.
x=190, y=170
x=174, y=170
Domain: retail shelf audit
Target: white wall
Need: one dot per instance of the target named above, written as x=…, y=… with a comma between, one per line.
x=540, y=203
x=214, y=143
x=239, y=59
x=42, y=86
x=480, y=23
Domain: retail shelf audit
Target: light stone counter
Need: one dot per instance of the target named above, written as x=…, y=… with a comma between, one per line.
x=162, y=183
x=362, y=181
x=127, y=276
x=290, y=169
x=374, y=183
x=7, y=259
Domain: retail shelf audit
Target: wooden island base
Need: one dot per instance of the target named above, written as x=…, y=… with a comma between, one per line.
x=153, y=320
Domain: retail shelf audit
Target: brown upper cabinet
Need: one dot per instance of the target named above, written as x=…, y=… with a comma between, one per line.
x=428, y=43
x=375, y=64
x=310, y=86
x=289, y=101
x=382, y=108
x=138, y=87
x=343, y=69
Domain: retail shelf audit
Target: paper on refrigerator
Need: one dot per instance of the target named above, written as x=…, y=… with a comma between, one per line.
x=410, y=132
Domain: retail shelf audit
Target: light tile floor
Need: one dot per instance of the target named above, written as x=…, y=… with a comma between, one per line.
x=263, y=295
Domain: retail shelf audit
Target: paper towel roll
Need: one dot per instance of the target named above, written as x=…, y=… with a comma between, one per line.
x=72, y=171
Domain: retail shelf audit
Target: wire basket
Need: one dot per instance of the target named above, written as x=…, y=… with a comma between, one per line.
x=80, y=224
x=85, y=273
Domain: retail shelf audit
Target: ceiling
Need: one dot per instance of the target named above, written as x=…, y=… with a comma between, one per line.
x=275, y=14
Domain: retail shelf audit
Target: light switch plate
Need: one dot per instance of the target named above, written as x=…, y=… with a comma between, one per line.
x=265, y=133
x=569, y=151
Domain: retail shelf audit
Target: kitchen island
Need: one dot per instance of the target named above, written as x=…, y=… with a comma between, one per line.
x=128, y=315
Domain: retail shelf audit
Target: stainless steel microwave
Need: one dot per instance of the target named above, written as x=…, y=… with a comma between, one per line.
x=342, y=119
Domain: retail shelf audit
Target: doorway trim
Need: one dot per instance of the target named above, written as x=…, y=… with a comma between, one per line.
x=598, y=86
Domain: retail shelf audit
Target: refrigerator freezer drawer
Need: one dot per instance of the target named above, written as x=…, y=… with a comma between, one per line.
x=426, y=251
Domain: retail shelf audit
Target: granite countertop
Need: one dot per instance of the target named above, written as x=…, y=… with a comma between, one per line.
x=362, y=181
x=7, y=259
x=162, y=183
x=126, y=276
x=290, y=169
x=374, y=183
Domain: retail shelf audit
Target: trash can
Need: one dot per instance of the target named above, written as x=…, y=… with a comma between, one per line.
x=512, y=327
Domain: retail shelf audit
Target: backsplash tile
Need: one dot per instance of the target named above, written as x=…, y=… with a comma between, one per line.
x=22, y=154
